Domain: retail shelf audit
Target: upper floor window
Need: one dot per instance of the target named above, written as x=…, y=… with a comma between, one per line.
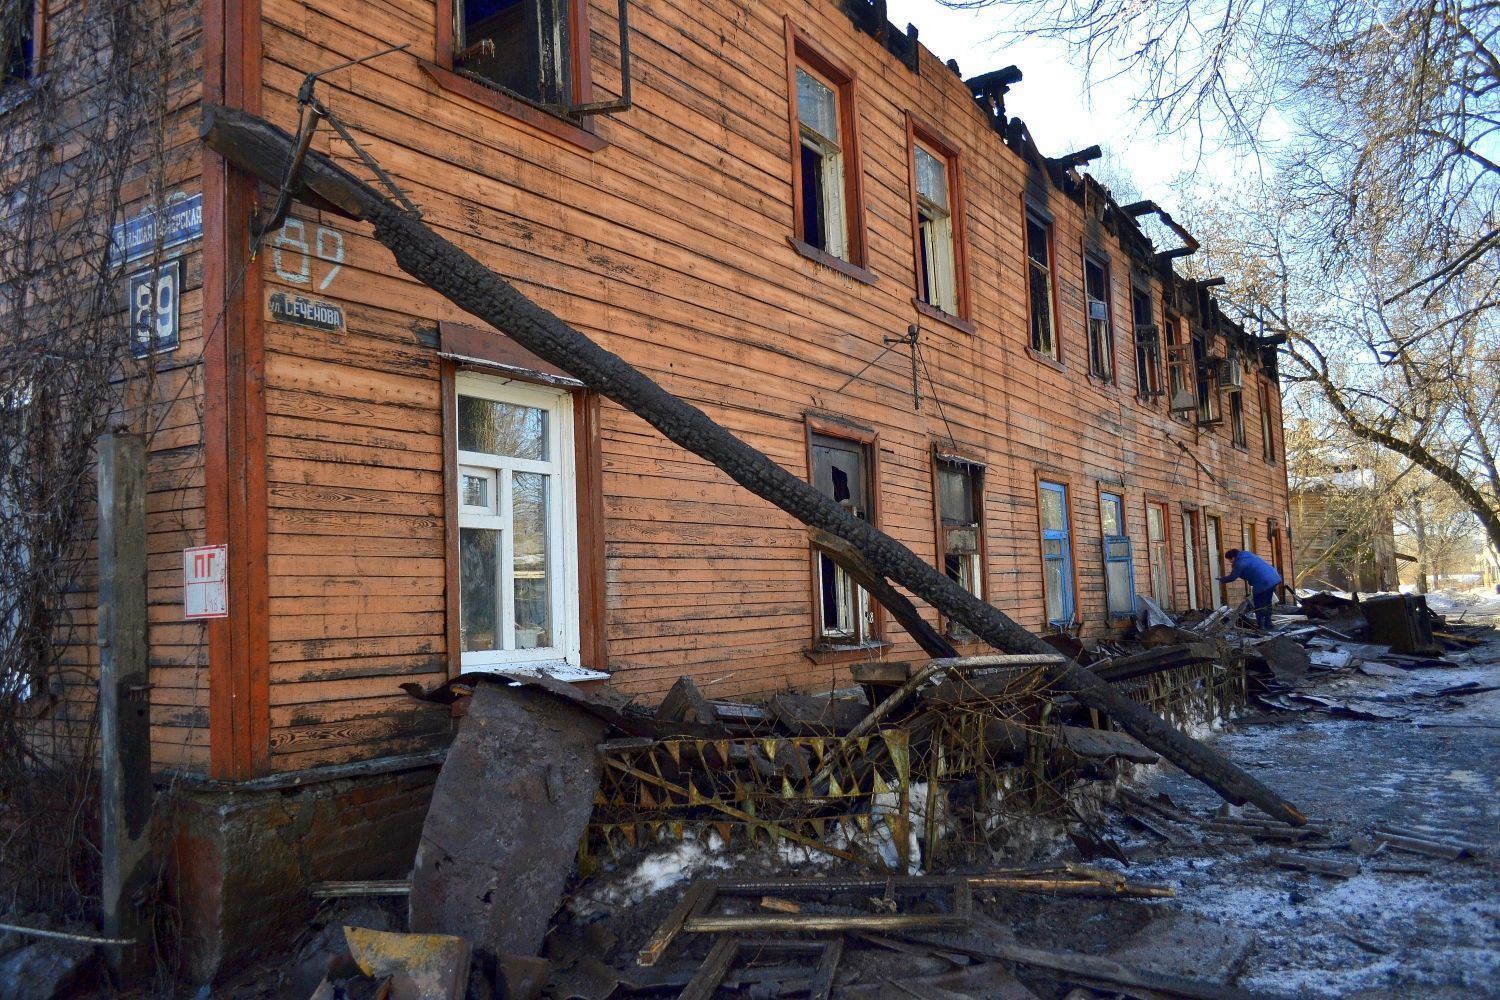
x=1100, y=329
x=20, y=24
x=1040, y=287
x=1180, y=382
x=1267, y=424
x=1206, y=374
x=1237, y=418
x=937, y=220
x=827, y=187
x=1147, y=345
x=521, y=46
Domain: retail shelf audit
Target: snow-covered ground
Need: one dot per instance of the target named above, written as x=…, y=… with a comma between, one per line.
x=1433, y=931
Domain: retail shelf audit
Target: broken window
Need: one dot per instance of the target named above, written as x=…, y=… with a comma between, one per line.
x=1147, y=346
x=515, y=545
x=1119, y=563
x=1267, y=424
x=1206, y=374
x=937, y=259
x=19, y=22
x=960, y=502
x=1237, y=418
x=1057, y=554
x=1100, y=330
x=1039, y=285
x=1156, y=544
x=521, y=46
x=841, y=471
x=1180, y=382
x=822, y=166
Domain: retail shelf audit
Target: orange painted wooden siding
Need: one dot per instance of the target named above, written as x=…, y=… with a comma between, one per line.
x=669, y=246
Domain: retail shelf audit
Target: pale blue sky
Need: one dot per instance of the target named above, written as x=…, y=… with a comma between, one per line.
x=1061, y=111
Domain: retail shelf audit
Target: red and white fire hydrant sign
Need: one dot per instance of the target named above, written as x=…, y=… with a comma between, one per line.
x=205, y=582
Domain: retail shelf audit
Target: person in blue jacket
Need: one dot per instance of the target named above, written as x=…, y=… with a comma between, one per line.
x=1260, y=575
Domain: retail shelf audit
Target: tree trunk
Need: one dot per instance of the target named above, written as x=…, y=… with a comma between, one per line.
x=266, y=151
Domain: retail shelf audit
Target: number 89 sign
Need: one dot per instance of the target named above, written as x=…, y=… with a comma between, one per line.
x=154, y=309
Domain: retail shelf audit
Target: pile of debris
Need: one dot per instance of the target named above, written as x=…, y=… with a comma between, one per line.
x=1327, y=635
x=937, y=767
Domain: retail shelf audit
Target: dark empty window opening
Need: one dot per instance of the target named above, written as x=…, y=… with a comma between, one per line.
x=18, y=23
x=1039, y=285
x=517, y=45
x=1101, y=333
x=1206, y=373
x=1147, y=346
x=1237, y=419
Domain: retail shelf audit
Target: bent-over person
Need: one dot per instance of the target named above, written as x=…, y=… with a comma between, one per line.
x=1260, y=575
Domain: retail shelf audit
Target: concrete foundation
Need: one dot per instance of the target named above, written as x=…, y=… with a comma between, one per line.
x=240, y=858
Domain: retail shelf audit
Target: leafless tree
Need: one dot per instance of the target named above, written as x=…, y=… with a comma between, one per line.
x=81, y=138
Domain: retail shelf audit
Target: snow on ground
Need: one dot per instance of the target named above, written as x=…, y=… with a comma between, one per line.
x=1430, y=932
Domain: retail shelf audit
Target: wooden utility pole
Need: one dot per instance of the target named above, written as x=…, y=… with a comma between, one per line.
x=265, y=150
x=124, y=705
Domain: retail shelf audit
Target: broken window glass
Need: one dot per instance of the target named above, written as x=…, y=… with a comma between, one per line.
x=937, y=277
x=1147, y=345
x=960, y=487
x=1101, y=336
x=1039, y=286
x=840, y=473
x=824, y=217
x=517, y=45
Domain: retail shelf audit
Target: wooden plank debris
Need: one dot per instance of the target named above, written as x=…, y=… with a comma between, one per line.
x=1316, y=865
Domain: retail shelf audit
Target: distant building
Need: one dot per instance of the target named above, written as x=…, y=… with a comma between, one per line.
x=1341, y=538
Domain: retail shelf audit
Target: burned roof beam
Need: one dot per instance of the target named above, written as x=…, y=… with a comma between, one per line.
x=1076, y=159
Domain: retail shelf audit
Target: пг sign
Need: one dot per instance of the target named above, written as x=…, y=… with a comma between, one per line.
x=205, y=582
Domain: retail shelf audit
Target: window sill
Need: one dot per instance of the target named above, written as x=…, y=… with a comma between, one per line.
x=823, y=654
x=848, y=270
x=495, y=100
x=933, y=312
x=1103, y=384
x=1046, y=359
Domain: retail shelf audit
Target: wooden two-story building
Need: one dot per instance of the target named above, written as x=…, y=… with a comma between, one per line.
x=790, y=214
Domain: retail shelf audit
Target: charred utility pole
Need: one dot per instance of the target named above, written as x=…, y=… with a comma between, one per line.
x=266, y=151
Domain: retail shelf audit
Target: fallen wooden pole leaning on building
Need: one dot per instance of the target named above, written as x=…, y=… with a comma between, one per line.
x=266, y=151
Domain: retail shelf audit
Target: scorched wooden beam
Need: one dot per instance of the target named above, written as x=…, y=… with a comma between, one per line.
x=268, y=152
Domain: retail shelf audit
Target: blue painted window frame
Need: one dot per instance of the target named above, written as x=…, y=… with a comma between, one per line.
x=1117, y=549
x=1064, y=555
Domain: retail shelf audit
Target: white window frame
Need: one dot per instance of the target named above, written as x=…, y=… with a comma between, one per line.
x=935, y=225
x=831, y=167
x=562, y=523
